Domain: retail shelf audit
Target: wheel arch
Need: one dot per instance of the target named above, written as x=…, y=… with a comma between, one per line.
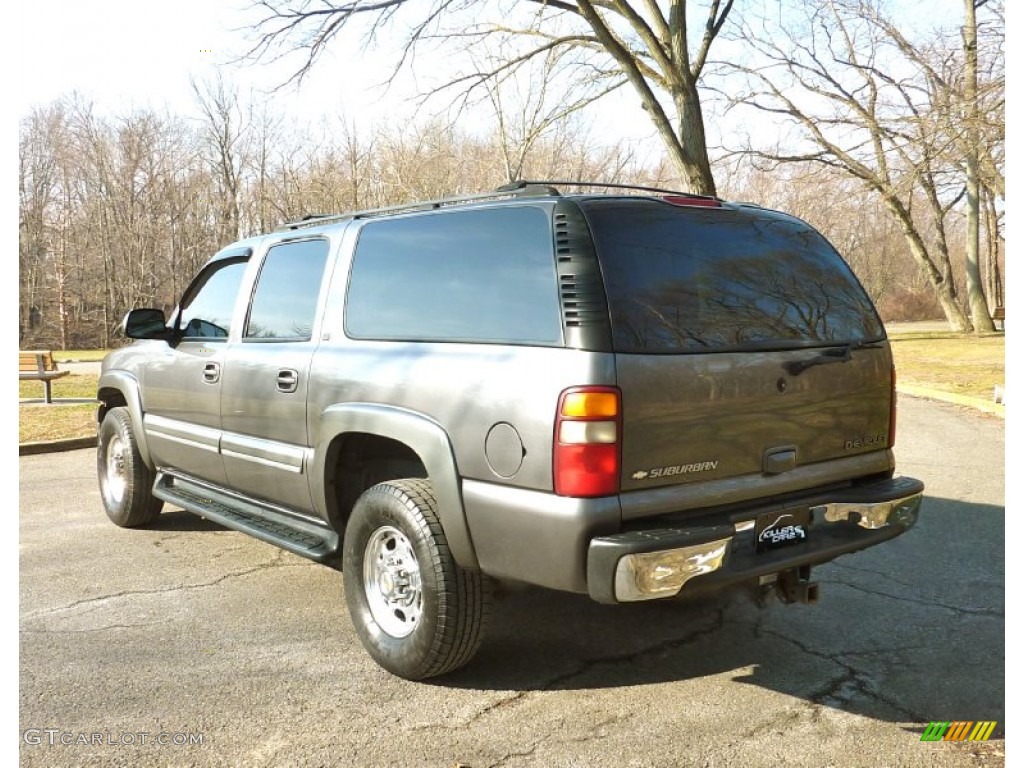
x=120, y=388
x=406, y=438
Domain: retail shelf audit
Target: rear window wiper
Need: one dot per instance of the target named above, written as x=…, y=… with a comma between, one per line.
x=842, y=354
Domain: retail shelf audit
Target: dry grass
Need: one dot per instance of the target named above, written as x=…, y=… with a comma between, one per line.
x=963, y=364
x=80, y=355
x=55, y=422
x=74, y=385
x=38, y=421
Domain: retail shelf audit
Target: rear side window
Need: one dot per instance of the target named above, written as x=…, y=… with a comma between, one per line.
x=284, y=305
x=692, y=279
x=474, y=276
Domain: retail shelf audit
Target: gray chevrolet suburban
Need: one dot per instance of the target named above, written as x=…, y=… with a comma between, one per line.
x=633, y=395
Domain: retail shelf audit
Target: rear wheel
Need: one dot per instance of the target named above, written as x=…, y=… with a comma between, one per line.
x=126, y=483
x=417, y=613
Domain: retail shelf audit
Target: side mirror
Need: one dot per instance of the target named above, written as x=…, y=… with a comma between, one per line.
x=145, y=324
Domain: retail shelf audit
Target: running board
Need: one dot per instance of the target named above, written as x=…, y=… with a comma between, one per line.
x=303, y=537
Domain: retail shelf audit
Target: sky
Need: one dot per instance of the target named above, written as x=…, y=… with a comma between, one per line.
x=122, y=59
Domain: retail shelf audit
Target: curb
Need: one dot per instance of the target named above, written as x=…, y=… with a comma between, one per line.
x=55, y=446
x=996, y=409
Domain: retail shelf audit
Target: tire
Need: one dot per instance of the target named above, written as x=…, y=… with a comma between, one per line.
x=126, y=483
x=416, y=612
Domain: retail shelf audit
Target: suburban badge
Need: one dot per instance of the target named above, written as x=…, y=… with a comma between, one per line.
x=678, y=469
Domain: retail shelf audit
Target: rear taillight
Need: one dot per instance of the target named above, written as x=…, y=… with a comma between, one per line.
x=588, y=431
x=892, y=408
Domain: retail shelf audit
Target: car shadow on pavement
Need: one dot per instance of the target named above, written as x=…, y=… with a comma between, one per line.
x=911, y=631
x=180, y=520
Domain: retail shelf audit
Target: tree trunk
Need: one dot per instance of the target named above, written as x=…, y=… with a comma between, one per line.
x=980, y=316
x=993, y=278
x=693, y=163
x=941, y=282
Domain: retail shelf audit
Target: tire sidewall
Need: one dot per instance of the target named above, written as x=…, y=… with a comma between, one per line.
x=123, y=513
x=409, y=656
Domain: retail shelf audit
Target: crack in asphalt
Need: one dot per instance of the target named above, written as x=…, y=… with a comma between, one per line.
x=628, y=658
x=584, y=668
x=472, y=719
x=851, y=676
x=29, y=631
x=593, y=735
x=987, y=612
x=509, y=755
x=274, y=562
x=883, y=574
x=580, y=669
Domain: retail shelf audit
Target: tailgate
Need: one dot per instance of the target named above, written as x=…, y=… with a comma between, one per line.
x=690, y=418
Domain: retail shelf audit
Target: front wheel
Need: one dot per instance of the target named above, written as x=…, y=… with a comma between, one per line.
x=416, y=612
x=126, y=483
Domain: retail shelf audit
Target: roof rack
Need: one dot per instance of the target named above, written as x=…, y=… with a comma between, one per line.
x=314, y=219
x=552, y=185
x=520, y=188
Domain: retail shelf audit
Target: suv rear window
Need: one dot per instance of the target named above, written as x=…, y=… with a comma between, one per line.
x=684, y=279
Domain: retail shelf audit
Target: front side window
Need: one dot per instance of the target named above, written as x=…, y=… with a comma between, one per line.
x=210, y=302
x=718, y=279
x=485, y=276
x=287, y=291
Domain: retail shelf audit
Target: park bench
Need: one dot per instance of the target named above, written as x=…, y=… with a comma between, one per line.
x=39, y=365
x=999, y=317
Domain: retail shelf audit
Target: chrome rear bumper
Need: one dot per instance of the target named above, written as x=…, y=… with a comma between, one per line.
x=659, y=563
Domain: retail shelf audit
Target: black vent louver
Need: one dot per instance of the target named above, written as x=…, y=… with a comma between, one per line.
x=580, y=286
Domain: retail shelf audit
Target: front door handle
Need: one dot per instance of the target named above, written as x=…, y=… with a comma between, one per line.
x=287, y=380
x=211, y=373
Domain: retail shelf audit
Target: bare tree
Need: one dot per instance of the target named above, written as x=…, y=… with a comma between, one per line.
x=842, y=84
x=225, y=131
x=38, y=189
x=647, y=44
x=966, y=112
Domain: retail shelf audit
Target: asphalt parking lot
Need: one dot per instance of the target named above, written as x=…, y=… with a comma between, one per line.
x=188, y=644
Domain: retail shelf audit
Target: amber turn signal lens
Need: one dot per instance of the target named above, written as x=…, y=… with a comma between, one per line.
x=583, y=405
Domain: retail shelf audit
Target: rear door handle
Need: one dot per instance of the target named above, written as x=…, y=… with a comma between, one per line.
x=211, y=373
x=287, y=380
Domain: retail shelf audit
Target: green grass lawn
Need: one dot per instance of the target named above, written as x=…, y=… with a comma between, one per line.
x=959, y=363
